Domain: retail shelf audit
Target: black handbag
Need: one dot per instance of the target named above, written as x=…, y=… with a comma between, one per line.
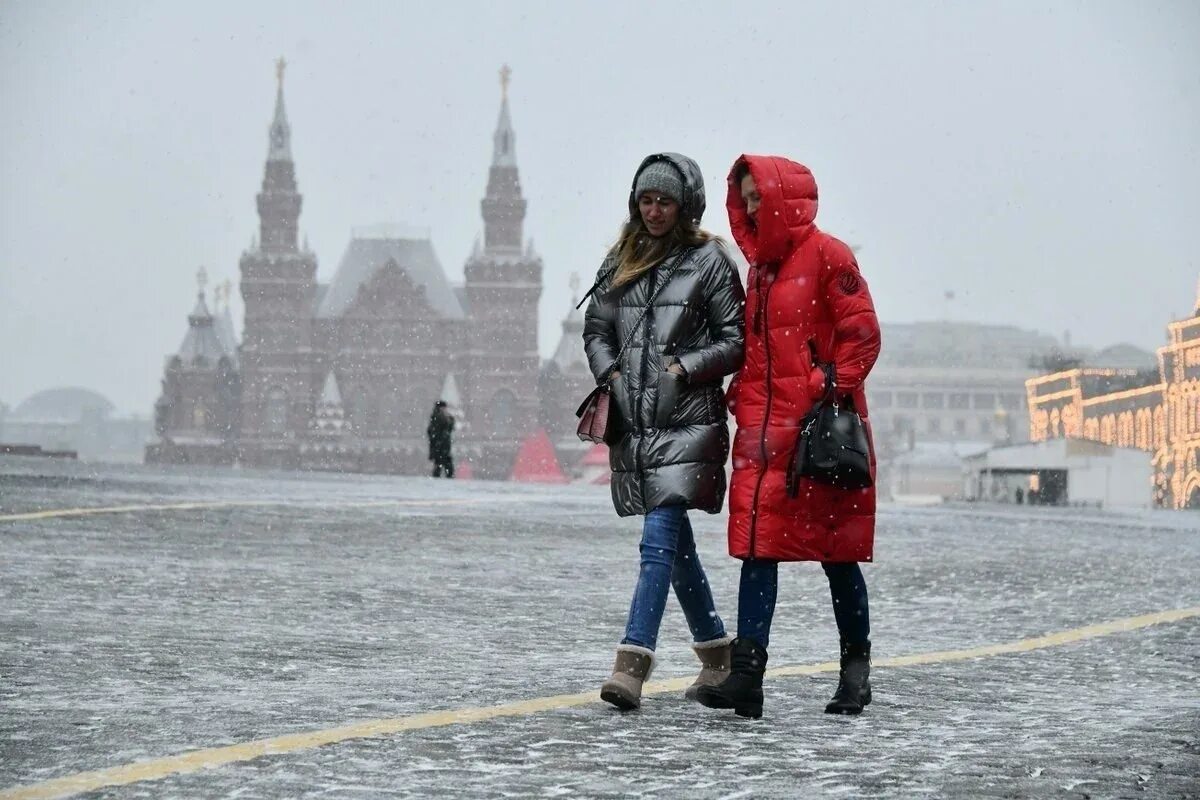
x=832, y=447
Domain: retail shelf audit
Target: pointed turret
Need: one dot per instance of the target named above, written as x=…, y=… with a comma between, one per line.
x=500, y=369
x=330, y=395
x=279, y=201
x=279, y=289
x=280, y=133
x=201, y=346
x=504, y=140
x=196, y=415
x=330, y=417
x=503, y=206
x=570, y=356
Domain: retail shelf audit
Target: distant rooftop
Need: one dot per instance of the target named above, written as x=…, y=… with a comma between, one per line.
x=1122, y=356
x=369, y=251
x=63, y=404
x=962, y=344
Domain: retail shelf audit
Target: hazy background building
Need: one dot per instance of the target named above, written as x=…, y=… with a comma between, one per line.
x=1125, y=405
x=344, y=375
x=76, y=420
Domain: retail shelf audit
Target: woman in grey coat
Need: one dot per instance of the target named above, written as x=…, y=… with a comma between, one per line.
x=664, y=328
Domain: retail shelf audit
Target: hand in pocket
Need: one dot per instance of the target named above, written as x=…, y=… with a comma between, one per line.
x=623, y=416
x=670, y=386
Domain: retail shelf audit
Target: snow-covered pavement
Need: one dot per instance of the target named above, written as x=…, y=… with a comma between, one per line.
x=258, y=605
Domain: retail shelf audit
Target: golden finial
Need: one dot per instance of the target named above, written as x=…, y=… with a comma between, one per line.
x=202, y=278
x=280, y=66
x=574, y=284
x=505, y=80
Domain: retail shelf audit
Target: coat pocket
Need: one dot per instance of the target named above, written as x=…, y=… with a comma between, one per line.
x=670, y=388
x=622, y=416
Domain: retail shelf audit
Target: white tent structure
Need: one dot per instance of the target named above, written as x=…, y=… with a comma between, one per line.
x=1062, y=472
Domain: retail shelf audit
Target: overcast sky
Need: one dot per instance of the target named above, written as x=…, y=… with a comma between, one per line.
x=1040, y=160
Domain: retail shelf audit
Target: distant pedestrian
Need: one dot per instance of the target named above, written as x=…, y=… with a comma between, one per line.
x=1020, y=496
x=664, y=328
x=807, y=303
x=439, y=431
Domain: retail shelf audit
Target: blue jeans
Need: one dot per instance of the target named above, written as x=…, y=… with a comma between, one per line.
x=669, y=559
x=760, y=586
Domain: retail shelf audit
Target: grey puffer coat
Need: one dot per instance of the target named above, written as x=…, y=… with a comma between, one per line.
x=669, y=437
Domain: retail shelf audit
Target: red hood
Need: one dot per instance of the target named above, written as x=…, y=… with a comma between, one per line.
x=786, y=216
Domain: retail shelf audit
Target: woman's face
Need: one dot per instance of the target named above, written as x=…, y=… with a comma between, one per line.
x=750, y=196
x=659, y=213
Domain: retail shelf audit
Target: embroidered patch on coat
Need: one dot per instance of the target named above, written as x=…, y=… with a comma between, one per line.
x=849, y=283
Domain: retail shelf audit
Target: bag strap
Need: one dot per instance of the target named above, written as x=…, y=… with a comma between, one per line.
x=596, y=286
x=830, y=370
x=650, y=304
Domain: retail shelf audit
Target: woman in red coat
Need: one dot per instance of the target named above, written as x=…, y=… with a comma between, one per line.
x=805, y=296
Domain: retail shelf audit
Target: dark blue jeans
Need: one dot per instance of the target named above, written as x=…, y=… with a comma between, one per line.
x=669, y=559
x=760, y=586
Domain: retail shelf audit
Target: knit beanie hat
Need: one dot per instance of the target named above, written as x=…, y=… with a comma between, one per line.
x=660, y=176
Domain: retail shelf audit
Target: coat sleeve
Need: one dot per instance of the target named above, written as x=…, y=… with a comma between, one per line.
x=600, y=326
x=856, y=338
x=725, y=308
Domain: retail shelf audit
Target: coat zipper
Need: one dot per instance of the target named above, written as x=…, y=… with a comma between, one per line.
x=766, y=337
x=641, y=426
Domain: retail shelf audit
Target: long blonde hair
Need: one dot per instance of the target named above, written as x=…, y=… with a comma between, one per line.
x=637, y=251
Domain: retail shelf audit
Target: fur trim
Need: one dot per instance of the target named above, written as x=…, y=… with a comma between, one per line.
x=633, y=648
x=724, y=641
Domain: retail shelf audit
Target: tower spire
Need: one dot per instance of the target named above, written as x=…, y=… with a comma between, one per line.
x=504, y=140
x=279, y=201
x=280, y=133
x=503, y=206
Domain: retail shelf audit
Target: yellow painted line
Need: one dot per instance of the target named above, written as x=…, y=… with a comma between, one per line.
x=231, y=754
x=1023, y=646
x=83, y=512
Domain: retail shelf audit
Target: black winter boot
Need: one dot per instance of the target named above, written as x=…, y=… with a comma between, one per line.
x=854, y=680
x=742, y=690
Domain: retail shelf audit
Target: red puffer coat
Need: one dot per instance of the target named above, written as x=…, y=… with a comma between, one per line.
x=804, y=285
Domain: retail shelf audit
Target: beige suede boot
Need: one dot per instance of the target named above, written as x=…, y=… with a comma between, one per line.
x=714, y=664
x=632, y=668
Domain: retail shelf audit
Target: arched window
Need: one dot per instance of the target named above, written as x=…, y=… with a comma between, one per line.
x=1070, y=421
x=276, y=416
x=199, y=416
x=1040, y=423
x=1108, y=429
x=1125, y=429
x=1142, y=440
